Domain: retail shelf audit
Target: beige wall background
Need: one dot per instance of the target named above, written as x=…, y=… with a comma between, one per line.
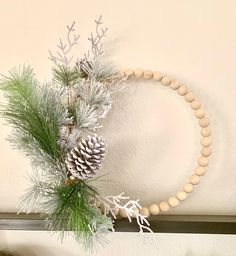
x=152, y=136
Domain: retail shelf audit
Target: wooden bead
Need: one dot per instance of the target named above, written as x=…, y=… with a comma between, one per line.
x=174, y=85
x=204, y=122
x=188, y=188
x=116, y=211
x=122, y=213
x=138, y=73
x=165, y=80
x=135, y=212
x=145, y=211
x=164, y=207
x=194, y=179
x=195, y=105
x=128, y=72
x=200, y=171
x=181, y=195
x=206, y=141
x=205, y=132
x=199, y=113
x=147, y=74
x=203, y=161
x=206, y=151
x=154, y=209
x=157, y=76
x=182, y=90
x=173, y=201
x=189, y=97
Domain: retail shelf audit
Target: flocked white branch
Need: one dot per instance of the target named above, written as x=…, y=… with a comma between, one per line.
x=96, y=40
x=63, y=56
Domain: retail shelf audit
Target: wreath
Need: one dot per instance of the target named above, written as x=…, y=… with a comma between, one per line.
x=56, y=125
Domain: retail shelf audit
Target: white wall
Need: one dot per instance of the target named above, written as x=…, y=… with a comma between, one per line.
x=152, y=135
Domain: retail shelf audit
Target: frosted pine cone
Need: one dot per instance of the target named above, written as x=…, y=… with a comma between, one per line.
x=84, y=160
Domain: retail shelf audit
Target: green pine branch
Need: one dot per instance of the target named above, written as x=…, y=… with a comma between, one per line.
x=73, y=211
x=65, y=76
x=34, y=112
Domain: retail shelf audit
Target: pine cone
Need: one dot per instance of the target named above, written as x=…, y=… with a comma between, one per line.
x=84, y=160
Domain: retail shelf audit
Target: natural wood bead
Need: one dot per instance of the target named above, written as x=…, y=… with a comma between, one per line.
x=206, y=141
x=189, y=97
x=157, y=76
x=182, y=90
x=116, y=211
x=138, y=73
x=200, y=171
x=181, y=195
x=203, y=161
x=136, y=211
x=206, y=151
x=173, y=201
x=188, y=188
x=195, y=105
x=174, y=85
x=144, y=211
x=164, y=206
x=154, y=209
x=194, y=179
x=147, y=74
x=204, y=122
x=165, y=80
x=205, y=132
x=122, y=213
x=128, y=72
x=199, y=113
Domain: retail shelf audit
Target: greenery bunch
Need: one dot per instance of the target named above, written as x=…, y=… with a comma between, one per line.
x=50, y=119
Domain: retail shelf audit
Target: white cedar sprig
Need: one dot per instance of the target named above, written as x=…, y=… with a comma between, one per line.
x=62, y=56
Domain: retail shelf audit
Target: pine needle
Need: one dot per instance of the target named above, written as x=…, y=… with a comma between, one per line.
x=34, y=112
x=65, y=76
x=73, y=211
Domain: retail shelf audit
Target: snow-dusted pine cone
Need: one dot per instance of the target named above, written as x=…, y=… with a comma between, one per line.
x=84, y=160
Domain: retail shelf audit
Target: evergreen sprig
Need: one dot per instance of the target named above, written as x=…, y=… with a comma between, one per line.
x=34, y=112
x=65, y=76
x=49, y=120
x=75, y=211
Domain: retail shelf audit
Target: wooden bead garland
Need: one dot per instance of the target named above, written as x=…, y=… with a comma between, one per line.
x=182, y=90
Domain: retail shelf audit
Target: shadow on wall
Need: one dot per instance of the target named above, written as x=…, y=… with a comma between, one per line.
x=32, y=251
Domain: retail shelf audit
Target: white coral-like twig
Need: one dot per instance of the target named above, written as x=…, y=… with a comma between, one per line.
x=130, y=208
